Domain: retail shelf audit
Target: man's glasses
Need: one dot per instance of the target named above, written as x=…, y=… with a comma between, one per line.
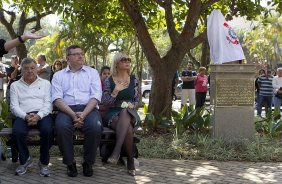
x=77, y=54
x=125, y=60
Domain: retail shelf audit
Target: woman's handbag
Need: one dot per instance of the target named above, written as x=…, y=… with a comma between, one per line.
x=279, y=93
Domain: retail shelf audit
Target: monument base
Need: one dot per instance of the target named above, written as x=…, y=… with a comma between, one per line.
x=232, y=90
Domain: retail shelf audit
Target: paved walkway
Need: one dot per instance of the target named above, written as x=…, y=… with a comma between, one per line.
x=153, y=171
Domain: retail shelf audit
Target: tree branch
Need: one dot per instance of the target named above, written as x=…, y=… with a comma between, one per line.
x=13, y=16
x=199, y=39
x=133, y=11
x=173, y=34
x=187, y=35
x=7, y=25
x=37, y=16
x=193, y=58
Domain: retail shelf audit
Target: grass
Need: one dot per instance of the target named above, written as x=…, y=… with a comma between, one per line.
x=200, y=146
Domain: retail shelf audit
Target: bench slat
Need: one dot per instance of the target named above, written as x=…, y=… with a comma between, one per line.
x=5, y=132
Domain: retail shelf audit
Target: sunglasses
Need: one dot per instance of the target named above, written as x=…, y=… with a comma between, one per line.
x=125, y=60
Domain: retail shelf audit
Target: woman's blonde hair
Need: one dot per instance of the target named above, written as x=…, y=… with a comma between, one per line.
x=116, y=59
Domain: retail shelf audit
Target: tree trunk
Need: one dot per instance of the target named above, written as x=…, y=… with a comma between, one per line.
x=21, y=51
x=205, y=59
x=160, y=102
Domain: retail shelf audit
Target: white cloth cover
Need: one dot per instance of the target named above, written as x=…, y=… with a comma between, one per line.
x=224, y=44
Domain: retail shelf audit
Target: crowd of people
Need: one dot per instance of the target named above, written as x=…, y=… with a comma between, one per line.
x=268, y=86
x=76, y=90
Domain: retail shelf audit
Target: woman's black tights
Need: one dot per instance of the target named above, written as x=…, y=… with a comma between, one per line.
x=124, y=137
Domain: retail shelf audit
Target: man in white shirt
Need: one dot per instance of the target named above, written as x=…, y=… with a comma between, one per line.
x=44, y=69
x=76, y=91
x=277, y=84
x=31, y=104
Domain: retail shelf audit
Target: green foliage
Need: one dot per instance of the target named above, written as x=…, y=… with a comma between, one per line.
x=5, y=121
x=271, y=125
x=48, y=47
x=201, y=146
x=152, y=122
x=197, y=119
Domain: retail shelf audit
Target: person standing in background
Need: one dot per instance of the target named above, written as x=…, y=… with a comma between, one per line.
x=265, y=92
x=277, y=85
x=44, y=69
x=188, y=89
x=201, y=87
x=13, y=74
x=2, y=75
x=104, y=73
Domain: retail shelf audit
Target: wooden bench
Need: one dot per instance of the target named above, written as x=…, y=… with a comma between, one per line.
x=106, y=143
x=77, y=138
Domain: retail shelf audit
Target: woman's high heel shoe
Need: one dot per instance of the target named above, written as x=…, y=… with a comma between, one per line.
x=131, y=172
x=113, y=161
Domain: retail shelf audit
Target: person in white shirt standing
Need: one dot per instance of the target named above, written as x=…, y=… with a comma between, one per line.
x=31, y=104
x=76, y=91
x=44, y=69
x=277, y=84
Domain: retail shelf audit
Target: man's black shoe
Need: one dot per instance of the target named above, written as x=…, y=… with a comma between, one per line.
x=87, y=169
x=71, y=170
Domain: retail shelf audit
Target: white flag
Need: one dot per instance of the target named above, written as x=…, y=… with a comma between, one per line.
x=224, y=44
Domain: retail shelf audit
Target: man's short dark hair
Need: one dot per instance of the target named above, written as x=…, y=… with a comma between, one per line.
x=42, y=56
x=71, y=47
x=191, y=63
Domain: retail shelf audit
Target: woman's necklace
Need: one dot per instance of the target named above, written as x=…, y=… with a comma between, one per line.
x=122, y=82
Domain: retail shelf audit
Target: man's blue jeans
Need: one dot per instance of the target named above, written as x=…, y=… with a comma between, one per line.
x=277, y=102
x=19, y=134
x=264, y=100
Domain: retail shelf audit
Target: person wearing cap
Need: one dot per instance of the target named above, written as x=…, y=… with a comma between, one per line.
x=265, y=92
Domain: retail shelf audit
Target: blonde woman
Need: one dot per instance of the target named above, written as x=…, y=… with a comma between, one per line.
x=121, y=93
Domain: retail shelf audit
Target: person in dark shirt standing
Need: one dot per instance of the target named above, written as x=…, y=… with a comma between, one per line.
x=188, y=88
x=13, y=74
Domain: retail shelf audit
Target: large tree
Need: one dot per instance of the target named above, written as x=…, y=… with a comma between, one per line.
x=181, y=30
x=17, y=27
x=179, y=18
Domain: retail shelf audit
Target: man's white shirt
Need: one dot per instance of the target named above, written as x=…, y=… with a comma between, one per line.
x=29, y=98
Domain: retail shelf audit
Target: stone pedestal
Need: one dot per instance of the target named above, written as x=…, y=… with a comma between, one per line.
x=232, y=96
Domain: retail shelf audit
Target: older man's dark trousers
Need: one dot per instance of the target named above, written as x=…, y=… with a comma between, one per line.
x=19, y=135
x=92, y=131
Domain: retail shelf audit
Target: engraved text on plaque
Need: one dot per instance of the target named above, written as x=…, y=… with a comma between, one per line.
x=235, y=92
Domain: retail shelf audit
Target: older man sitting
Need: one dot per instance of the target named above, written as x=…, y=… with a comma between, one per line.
x=31, y=104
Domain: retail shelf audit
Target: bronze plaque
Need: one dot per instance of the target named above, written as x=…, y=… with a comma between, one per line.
x=235, y=92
